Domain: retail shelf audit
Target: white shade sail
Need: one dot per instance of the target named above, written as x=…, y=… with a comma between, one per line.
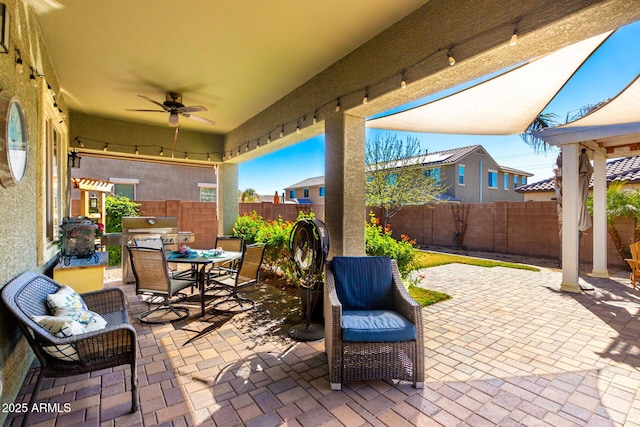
x=503, y=105
x=614, y=127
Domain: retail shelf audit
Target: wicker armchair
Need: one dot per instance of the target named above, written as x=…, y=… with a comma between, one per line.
x=373, y=328
x=26, y=296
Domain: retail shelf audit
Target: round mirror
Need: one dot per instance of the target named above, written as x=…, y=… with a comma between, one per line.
x=14, y=141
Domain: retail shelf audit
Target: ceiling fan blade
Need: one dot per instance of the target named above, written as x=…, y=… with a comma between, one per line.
x=192, y=109
x=146, y=111
x=199, y=119
x=159, y=104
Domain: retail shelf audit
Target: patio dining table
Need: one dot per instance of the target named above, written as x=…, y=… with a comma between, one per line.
x=200, y=259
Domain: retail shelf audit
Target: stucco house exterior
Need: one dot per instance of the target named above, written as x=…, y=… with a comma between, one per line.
x=469, y=174
x=310, y=190
x=626, y=169
x=139, y=180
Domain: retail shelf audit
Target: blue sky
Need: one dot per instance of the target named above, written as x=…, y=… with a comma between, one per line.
x=604, y=75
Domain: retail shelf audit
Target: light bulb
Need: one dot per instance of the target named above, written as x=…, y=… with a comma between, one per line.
x=338, y=106
x=105, y=148
x=186, y=156
x=282, y=131
x=137, y=152
x=315, y=118
x=269, y=138
x=452, y=60
x=161, y=151
x=514, y=38
x=297, y=128
x=19, y=65
x=403, y=84
x=32, y=78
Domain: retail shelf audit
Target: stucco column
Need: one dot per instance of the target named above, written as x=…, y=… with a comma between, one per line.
x=570, y=213
x=227, y=197
x=599, y=216
x=344, y=182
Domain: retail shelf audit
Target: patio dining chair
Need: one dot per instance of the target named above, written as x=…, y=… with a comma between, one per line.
x=149, y=266
x=634, y=263
x=227, y=244
x=373, y=328
x=226, y=287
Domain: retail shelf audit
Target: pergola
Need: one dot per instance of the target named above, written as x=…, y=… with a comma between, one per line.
x=611, y=131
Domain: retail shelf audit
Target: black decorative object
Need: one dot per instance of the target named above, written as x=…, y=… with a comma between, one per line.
x=309, y=245
x=77, y=236
x=5, y=27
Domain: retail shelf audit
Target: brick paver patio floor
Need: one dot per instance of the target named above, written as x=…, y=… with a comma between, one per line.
x=508, y=349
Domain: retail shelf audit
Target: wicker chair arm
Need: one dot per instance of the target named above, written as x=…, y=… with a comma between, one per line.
x=404, y=304
x=106, y=343
x=105, y=300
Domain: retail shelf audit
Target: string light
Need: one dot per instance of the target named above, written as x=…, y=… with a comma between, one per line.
x=106, y=147
x=403, y=83
x=208, y=157
x=161, y=151
x=137, y=152
x=338, y=105
x=366, y=95
x=452, y=60
x=282, y=131
x=298, y=127
x=514, y=35
x=258, y=143
x=269, y=138
x=315, y=117
x=19, y=65
x=32, y=78
x=246, y=148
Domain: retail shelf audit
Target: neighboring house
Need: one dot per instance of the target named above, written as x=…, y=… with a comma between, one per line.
x=310, y=190
x=469, y=173
x=140, y=180
x=626, y=169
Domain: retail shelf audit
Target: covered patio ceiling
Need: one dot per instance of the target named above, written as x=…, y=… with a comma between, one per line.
x=503, y=105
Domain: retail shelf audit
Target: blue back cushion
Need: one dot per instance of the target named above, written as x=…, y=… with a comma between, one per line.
x=364, y=283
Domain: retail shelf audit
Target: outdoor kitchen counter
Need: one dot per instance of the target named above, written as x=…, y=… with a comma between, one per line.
x=83, y=274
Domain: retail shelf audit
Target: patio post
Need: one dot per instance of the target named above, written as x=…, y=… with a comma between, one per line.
x=227, y=201
x=600, y=237
x=570, y=214
x=345, y=184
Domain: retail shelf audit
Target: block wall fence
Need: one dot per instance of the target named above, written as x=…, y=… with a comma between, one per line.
x=516, y=228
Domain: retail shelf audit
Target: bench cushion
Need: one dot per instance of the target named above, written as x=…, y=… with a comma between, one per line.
x=376, y=326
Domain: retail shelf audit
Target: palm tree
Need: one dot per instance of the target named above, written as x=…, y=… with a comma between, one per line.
x=620, y=203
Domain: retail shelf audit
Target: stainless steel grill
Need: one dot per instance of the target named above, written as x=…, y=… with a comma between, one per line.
x=141, y=227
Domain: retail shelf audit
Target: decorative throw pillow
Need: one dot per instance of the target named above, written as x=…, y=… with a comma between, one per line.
x=89, y=320
x=66, y=297
x=61, y=328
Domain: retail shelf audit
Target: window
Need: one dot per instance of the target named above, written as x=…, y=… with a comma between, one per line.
x=292, y=194
x=434, y=174
x=506, y=181
x=208, y=191
x=125, y=187
x=51, y=177
x=460, y=174
x=321, y=191
x=492, y=179
x=523, y=180
x=306, y=193
x=515, y=181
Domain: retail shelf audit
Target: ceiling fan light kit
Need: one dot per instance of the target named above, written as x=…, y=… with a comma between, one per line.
x=174, y=106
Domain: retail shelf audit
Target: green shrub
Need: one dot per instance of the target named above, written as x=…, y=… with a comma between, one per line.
x=116, y=207
x=378, y=242
x=275, y=234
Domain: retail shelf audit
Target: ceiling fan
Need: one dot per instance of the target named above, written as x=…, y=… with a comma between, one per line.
x=174, y=106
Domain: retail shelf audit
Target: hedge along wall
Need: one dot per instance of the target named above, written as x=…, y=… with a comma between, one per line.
x=517, y=228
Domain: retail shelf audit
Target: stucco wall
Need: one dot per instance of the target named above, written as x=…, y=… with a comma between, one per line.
x=156, y=181
x=18, y=204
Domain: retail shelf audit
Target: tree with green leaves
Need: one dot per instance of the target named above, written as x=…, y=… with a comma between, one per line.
x=620, y=203
x=249, y=195
x=396, y=177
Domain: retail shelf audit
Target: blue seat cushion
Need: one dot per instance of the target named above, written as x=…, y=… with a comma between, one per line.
x=364, y=283
x=376, y=326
